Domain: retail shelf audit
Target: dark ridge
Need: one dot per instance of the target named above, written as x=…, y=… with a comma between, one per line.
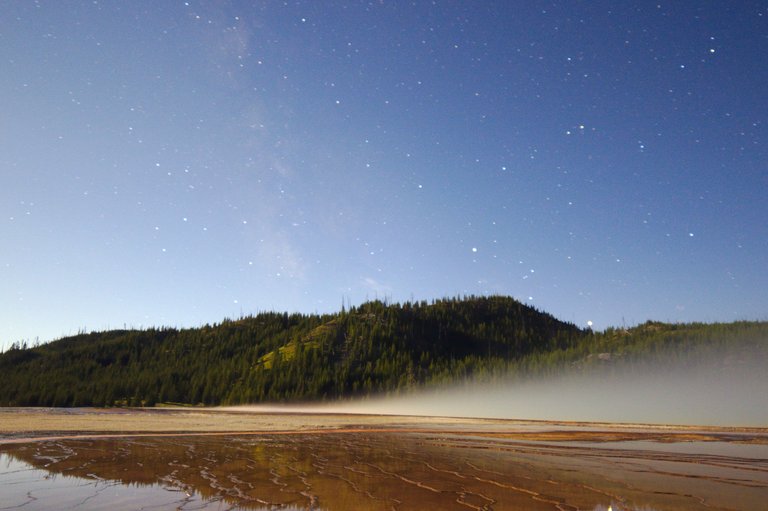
x=375, y=348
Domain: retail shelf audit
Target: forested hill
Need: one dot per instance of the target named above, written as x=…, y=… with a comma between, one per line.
x=368, y=349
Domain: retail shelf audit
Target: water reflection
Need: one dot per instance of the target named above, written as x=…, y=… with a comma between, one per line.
x=383, y=471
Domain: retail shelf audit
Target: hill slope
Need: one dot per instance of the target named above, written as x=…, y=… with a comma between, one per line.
x=276, y=357
x=370, y=349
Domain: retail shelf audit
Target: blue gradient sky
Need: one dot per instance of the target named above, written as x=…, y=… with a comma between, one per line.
x=175, y=163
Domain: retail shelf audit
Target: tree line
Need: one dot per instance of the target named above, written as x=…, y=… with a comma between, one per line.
x=374, y=348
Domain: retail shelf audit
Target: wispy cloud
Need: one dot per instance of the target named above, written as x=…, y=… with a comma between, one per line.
x=377, y=287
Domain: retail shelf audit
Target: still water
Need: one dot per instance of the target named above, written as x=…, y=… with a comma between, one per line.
x=381, y=471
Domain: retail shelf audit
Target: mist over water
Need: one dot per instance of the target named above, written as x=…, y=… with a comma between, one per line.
x=686, y=397
x=725, y=387
x=721, y=391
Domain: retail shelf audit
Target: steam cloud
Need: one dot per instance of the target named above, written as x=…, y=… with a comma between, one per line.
x=722, y=391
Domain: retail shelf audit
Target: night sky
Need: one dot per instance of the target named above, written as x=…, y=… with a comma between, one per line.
x=175, y=163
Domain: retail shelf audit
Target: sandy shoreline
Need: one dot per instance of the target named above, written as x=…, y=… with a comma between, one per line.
x=34, y=421
x=29, y=424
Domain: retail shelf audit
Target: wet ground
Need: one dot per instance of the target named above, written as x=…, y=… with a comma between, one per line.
x=391, y=466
